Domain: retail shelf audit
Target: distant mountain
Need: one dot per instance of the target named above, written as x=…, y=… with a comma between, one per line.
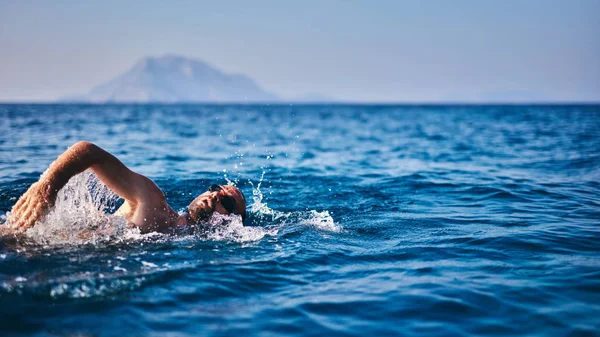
x=173, y=78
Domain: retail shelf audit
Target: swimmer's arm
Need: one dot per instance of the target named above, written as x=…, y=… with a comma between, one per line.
x=111, y=171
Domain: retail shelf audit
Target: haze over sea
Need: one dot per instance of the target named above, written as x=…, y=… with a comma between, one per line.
x=364, y=220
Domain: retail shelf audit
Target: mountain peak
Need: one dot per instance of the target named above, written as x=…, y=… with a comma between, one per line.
x=173, y=63
x=169, y=59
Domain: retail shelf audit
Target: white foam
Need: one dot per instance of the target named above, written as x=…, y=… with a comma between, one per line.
x=222, y=227
x=78, y=216
x=149, y=264
x=322, y=221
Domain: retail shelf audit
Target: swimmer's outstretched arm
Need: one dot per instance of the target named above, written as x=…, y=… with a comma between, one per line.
x=83, y=155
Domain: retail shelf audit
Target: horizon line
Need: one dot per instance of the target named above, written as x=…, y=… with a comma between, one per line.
x=284, y=103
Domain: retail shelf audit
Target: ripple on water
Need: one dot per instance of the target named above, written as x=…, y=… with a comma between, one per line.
x=363, y=220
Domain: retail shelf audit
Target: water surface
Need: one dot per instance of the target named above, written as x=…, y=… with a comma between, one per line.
x=364, y=220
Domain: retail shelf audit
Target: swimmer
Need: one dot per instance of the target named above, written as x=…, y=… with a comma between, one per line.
x=145, y=204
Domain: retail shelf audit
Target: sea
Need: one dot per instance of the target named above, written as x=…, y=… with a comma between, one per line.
x=363, y=220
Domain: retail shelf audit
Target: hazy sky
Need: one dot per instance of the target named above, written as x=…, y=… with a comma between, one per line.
x=443, y=50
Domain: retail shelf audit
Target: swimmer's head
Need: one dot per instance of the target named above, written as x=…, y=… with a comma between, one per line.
x=222, y=199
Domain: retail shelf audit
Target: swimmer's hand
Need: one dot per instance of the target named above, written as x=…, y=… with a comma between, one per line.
x=32, y=206
x=202, y=208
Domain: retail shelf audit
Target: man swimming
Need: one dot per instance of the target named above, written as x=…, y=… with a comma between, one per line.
x=145, y=204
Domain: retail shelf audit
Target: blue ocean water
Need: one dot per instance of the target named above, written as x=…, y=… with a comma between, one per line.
x=364, y=221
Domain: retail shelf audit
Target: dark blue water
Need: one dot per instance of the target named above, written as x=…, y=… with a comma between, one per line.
x=368, y=221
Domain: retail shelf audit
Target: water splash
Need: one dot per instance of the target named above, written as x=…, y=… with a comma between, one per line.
x=258, y=206
x=312, y=218
x=221, y=227
x=79, y=217
x=321, y=221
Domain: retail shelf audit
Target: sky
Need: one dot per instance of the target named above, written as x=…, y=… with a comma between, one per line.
x=356, y=51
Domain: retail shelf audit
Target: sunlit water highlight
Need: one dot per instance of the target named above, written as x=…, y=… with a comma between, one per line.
x=363, y=220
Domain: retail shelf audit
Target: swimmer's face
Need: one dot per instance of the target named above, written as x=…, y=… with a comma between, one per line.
x=222, y=199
